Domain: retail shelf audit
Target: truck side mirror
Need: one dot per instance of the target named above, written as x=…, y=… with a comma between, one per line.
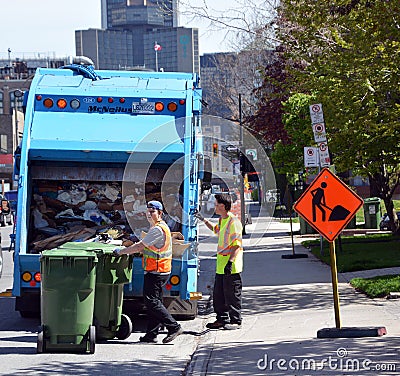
x=205, y=173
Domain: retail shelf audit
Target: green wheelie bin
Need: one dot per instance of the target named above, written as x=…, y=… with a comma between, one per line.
x=112, y=273
x=67, y=301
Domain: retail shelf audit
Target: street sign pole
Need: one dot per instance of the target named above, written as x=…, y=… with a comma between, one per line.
x=293, y=255
x=335, y=284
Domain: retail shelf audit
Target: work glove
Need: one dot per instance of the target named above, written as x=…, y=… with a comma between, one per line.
x=198, y=215
x=116, y=252
x=228, y=268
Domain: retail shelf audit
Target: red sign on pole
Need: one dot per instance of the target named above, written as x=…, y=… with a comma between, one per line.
x=328, y=204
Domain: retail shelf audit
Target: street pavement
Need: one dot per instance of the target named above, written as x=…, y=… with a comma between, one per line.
x=285, y=303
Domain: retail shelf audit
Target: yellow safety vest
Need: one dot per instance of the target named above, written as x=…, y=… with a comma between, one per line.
x=159, y=259
x=229, y=231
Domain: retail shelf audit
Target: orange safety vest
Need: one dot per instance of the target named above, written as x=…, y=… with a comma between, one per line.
x=159, y=259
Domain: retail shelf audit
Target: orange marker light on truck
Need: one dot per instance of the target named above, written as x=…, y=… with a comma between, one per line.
x=159, y=106
x=172, y=106
x=26, y=276
x=174, y=280
x=61, y=103
x=48, y=103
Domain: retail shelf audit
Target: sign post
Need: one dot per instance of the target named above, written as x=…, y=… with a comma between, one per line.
x=328, y=205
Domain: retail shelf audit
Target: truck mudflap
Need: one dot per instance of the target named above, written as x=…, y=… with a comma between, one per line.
x=28, y=304
x=181, y=309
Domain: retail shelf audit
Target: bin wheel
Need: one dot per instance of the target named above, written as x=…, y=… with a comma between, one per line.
x=92, y=339
x=41, y=343
x=125, y=329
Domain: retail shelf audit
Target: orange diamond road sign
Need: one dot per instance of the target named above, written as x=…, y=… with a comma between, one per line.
x=328, y=204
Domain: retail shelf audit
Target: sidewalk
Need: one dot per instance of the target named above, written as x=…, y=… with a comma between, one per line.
x=285, y=303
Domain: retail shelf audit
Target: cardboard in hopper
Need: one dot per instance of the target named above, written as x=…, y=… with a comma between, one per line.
x=178, y=245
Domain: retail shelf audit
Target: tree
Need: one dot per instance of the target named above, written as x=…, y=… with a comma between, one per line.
x=350, y=52
x=249, y=30
x=233, y=74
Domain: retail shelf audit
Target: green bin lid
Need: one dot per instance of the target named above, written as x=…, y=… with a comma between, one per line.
x=66, y=252
x=90, y=246
x=372, y=200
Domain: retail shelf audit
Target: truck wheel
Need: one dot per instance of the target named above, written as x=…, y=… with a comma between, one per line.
x=41, y=342
x=92, y=339
x=125, y=329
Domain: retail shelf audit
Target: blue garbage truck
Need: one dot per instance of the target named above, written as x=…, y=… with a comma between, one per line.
x=97, y=145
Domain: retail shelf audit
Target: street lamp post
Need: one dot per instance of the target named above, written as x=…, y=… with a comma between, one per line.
x=9, y=57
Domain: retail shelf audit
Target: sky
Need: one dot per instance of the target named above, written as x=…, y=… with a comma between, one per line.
x=47, y=27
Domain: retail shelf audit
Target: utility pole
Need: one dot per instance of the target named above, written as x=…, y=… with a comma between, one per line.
x=241, y=180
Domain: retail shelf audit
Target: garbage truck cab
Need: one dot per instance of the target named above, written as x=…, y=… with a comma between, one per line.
x=97, y=145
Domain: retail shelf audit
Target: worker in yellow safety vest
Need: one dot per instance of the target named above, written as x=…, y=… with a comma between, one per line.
x=227, y=294
x=156, y=248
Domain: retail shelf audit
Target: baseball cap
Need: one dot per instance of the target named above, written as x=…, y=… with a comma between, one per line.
x=155, y=205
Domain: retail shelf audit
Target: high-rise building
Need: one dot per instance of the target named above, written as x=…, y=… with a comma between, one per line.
x=126, y=14
x=130, y=30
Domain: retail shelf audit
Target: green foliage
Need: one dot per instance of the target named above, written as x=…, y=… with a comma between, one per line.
x=350, y=52
x=345, y=55
x=288, y=158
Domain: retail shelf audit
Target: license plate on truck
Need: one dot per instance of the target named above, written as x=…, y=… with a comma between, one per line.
x=143, y=108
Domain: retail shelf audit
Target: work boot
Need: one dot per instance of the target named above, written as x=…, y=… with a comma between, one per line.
x=148, y=339
x=233, y=326
x=171, y=336
x=215, y=325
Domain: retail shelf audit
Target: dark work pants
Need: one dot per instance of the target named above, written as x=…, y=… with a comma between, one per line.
x=227, y=298
x=157, y=314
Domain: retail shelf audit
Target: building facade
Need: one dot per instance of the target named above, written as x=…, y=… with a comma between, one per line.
x=15, y=79
x=130, y=31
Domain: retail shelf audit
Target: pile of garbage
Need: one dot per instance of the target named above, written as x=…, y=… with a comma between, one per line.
x=64, y=211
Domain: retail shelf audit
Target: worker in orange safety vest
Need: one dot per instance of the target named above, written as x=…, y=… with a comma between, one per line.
x=156, y=248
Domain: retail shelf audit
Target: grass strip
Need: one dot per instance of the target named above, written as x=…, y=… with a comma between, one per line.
x=362, y=255
x=377, y=287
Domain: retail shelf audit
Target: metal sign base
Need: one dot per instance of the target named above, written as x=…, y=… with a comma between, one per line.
x=295, y=256
x=351, y=332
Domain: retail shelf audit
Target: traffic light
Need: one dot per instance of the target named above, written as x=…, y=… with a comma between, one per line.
x=215, y=149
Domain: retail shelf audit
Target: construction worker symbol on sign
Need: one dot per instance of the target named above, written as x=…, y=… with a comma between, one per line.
x=328, y=205
x=338, y=213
